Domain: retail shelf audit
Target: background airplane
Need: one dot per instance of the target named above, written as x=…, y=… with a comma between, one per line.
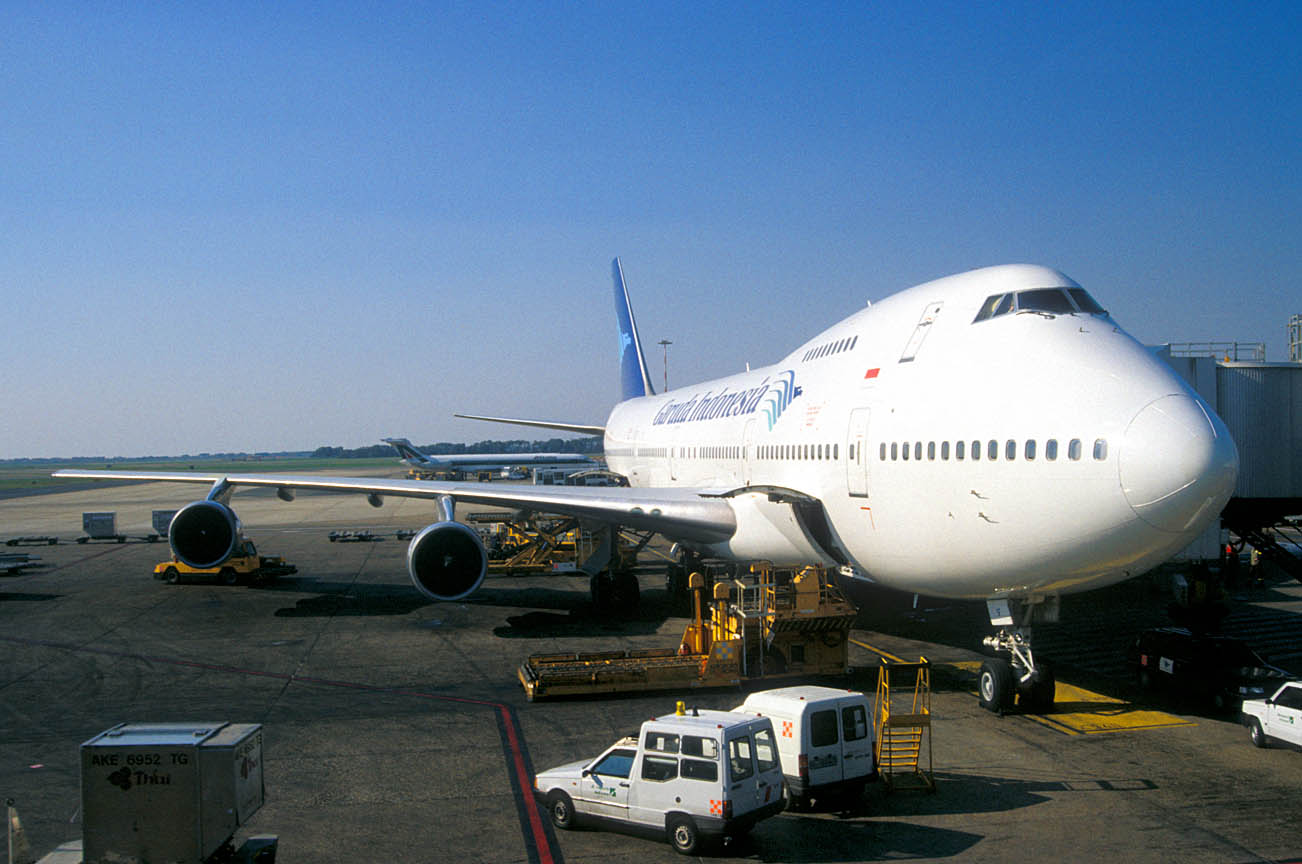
x=993, y=434
x=498, y=463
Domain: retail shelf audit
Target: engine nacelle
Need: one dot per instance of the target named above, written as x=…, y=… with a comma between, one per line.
x=447, y=561
x=204, y=534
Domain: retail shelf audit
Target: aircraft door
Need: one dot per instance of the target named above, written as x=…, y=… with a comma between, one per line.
x=856, y=464
x=747, y=451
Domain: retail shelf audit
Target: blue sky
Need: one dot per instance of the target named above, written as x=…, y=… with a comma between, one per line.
x=277, y=226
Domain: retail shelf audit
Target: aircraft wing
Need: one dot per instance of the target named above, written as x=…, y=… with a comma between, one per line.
x=677, y=513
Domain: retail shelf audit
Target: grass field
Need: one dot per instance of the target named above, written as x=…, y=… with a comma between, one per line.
x=35, y=477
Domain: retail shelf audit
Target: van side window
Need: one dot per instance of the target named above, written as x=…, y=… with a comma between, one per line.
x=695, y=745
x=822, y=728
x=766, y=751
x=661, y=742
x=659, y=768
x=618, y=763
x=740, y=765
x=855, y=722
x=695, y=769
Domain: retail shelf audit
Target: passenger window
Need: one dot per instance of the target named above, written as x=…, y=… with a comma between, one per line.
x=959, y=447
x=944, y=451
x=917, y=451
x=905, y=448
x=618, y=763
x=992, y=450
x=931, y=451
x=976, y=450
x=895, y=448
x=661, y=742
x=1051, y=449
x=855, y=722
x=766, y=751
x=1100, y=449
x=659, y=768
x=740, y=765
x=1030, y=448
x=822, y=728
x=1010, y=449
x=1073, y=450
x=836, y=450
x=819, y=454
x=881, y=455
x=695, y=769
x=695, y=745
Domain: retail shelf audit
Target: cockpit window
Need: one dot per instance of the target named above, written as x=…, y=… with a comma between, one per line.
x=1086, y=302
x=1050, y=300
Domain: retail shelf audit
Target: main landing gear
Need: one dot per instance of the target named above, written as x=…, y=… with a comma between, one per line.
x=1015, y=677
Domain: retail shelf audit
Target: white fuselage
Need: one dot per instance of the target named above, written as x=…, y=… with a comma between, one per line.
x=1096, y=461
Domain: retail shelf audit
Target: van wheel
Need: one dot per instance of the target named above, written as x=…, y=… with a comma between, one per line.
x=561, y=809
x=683, y=836
x=1258, y=736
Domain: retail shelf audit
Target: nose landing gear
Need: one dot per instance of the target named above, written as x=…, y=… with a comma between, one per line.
x=1015, y=677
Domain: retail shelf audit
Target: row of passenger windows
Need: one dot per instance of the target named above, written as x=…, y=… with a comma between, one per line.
x=798, y=452
x=1029, y=449
x=837, y=347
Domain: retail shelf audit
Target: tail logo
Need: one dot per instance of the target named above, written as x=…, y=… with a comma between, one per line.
x=780, y=394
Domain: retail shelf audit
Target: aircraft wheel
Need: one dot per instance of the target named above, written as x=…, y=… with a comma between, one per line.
x=1040, y=694
x=995, y=685
x=627, y=592
x=601, y=589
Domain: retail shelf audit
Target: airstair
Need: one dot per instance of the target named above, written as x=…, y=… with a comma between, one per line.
x=903, y=710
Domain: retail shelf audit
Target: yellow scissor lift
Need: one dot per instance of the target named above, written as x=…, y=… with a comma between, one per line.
x=780, y=623
x=904, y=725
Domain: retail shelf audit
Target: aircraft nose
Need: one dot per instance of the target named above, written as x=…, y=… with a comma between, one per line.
x=1178, y=464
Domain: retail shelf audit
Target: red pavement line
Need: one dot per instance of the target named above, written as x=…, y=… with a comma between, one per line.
x=516, y=760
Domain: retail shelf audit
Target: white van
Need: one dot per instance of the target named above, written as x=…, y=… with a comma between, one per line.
x=688, y=776
x=825, y=739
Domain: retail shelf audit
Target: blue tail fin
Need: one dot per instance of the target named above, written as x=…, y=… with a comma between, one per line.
x=633, y=379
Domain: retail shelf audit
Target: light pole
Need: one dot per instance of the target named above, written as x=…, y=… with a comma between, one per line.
x=665, y=343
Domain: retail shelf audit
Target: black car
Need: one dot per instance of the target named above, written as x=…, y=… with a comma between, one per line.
x=1220, y=670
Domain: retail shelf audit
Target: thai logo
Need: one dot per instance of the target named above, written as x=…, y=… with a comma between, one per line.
x=779, y=396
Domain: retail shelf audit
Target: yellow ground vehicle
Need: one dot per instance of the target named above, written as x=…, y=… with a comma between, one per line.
x=247, y=566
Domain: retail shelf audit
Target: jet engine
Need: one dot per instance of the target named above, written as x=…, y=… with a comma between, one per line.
x=447, y=561
x=204, y=534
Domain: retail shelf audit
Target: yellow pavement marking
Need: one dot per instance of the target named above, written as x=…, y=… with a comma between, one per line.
x=1078, y=711
x=879, y=651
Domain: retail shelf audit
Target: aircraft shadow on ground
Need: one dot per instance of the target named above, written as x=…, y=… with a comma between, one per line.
x=573, y=614
x=823, y=840
x=23, y=597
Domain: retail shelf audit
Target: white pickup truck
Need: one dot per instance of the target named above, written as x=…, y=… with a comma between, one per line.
x=1277, y=718
x=688, y=776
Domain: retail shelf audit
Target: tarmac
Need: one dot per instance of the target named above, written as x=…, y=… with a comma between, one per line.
x=396, y=730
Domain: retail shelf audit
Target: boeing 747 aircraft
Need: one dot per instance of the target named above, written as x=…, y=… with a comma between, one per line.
x=470, y=463
x=993, y=434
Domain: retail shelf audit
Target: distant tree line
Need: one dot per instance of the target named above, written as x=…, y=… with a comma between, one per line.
x=446, y=448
